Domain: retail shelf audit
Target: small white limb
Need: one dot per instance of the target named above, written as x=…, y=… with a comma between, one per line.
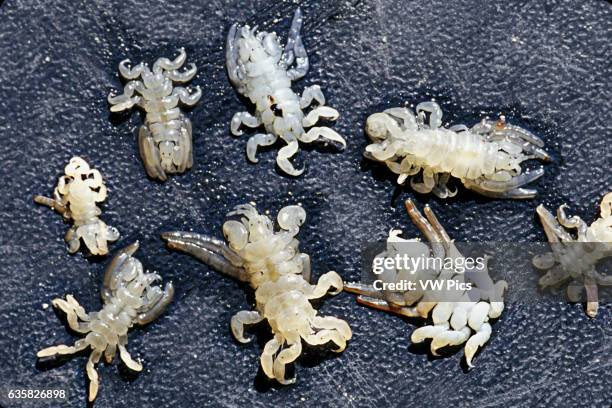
x=286, y=356
x=270, y=349
x=427, y=332
x=73, y=311
x=282, y=158
x=310, y=94
x=242, y=318
x=478, y=315
x=92, y=374
x=316, y=114
x=170, y=65
x=187, y=98
x=63, y=349
x=325, y=336
x=243, y=118
x=327, y=281
x=132, y=73
x=475, y=342
x=407, y=118
x=184, y=76
x=449, y=338
x=260, y=139
x=324, y=133
x=127, y=359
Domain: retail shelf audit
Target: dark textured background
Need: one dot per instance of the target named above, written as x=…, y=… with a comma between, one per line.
x=546, y=64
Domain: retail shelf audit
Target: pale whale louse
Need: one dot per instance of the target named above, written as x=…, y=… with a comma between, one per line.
x=458, y=317
x=270, y=261
x=486, y=158
x=574, y=260
x=165, y=139
x=129, y=299
x=75, y=198
x=259, y=69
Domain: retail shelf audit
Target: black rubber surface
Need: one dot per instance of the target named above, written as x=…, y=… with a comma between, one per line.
x=545, y=64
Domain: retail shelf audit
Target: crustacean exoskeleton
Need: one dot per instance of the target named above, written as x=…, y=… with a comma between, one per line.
x=574, y=260
x=260, y=69
x=486, y=158
x=76, y=197
x=165, y=139
x=270, y=261
x=129, y=299
x=458, y=316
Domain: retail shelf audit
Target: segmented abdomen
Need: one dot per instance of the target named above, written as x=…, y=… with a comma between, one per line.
x=82, y=213
x=270, y=91
x=110, y=323
x=464, y=155
x=163, y=122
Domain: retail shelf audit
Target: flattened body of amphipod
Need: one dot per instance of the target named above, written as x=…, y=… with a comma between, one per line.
x=262, y=70
x=270, y=262
x=165, y=139
x=460, y=315
x=76, y=197
x=574, y=259
x=485, y=158
x=129, y=299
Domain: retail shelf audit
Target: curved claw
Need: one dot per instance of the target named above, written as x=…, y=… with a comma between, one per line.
x=260, y=139
x=282, y=158
x=267, y=356
x=572, y=222
x=323, y=134
x=404, y=116
x=475, y=342
x=514, y=182
x=240, y=319
x=326, y=282
x=127, y=359
x=170, y=65
x=184, y=76
x=520, y=132
x=435, y=118
x=507, y=189
x=133, y=73
x=187, y=98
x=420, y=334
x=606, y=206
x=319, y=112
x=553, y=230
x=449, y=338
x=286, y=356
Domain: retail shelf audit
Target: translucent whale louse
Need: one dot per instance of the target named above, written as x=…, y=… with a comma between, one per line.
x=575, y=260
x=270, y=261
x=260, y=70
x=129, y=299
x=165, y=139
x=76, y=197
x=486, y=158
x=458, y=317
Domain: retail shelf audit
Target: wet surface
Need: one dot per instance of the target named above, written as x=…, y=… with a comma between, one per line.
x=545, y=65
